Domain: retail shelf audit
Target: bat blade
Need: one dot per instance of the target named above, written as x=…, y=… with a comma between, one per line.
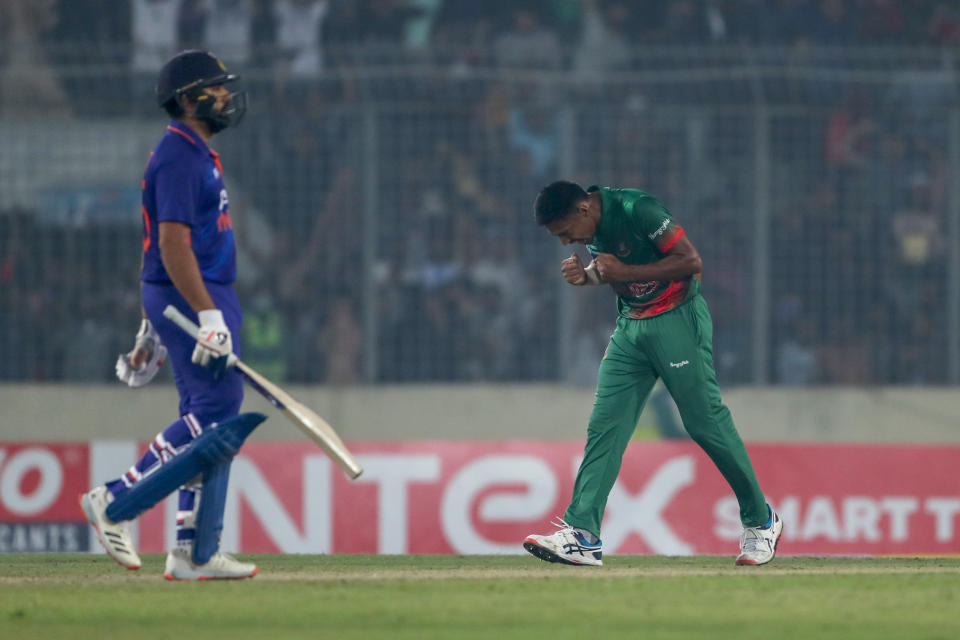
x=311, y=424
x=304, y=418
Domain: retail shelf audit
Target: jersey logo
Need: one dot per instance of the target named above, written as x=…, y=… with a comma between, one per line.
x=677, y=365
x=660, y=230
x=623, y=250
x=146, y=228
x=216, y=173
x=224, y=221
x=639, y=289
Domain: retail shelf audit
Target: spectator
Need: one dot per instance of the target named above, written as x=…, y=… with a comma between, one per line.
x=155, y=34
x=684, y=24
x=228, y=29
x=91, y=38
x=797, y=361
x=527, y=44
x=751, y=22
x=914, y=284
x=383, y=21
x=917, y=231
x=298, y=36
x=918, y=95
x=831, y=22
x=943, y=29
x=535, y=131
x=849, y=145
x=18, y=280
x=849, y=131
x=887, y=173
x=340, y=343
x=419, y=28
x=882, y=22
x=28, y=72
x=369, y=32
x=264, y=332
x=463, y=31
x=91, y=32
x=606, y=42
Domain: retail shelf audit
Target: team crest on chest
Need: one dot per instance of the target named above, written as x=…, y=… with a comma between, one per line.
x=216, y=173
x=623, y=250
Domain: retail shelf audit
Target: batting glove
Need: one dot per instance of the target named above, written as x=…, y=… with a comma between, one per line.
x=214, y=345
x=148, y=351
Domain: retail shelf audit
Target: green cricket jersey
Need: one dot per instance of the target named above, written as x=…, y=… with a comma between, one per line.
x=638, y=229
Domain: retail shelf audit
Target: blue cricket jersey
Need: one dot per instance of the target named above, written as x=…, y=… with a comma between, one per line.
x=183, y=182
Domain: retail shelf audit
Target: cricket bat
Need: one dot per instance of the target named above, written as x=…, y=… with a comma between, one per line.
x=312, y=425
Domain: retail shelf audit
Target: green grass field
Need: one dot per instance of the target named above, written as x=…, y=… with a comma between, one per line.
x=353, y=596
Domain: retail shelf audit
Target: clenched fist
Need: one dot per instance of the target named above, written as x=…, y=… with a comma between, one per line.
x=572, y=270
x=609, y=267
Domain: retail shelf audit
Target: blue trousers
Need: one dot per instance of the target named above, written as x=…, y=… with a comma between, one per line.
x=203, y=399
x=200, y=394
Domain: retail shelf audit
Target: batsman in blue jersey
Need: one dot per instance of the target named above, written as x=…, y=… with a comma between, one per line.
x=189, y=261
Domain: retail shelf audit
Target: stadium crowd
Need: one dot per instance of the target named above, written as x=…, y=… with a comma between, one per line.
x=462, y=283
x=304, y=34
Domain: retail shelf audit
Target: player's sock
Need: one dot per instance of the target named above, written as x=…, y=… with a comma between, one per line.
x=769, y=522
x=187, y=517
x=587, y=536
x=164, y=447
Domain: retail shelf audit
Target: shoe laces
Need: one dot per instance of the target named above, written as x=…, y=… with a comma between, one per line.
x=562, y=524
x=563, y=528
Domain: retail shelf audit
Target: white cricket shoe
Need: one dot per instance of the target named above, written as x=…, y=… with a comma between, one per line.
x=565, y=546
x=112, y=535
x=222, y=566
x=759, y=545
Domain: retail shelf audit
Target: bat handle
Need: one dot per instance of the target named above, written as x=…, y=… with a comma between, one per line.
x=173, y=314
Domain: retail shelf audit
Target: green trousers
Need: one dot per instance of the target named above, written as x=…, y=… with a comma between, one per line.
x=678, y=347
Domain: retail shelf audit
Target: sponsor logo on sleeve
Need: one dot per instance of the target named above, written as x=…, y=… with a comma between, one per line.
x=660, y=230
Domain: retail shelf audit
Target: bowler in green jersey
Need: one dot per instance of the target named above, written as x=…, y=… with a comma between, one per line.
x=664, y=331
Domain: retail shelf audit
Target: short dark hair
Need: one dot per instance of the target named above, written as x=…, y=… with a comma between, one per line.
x=557, y=200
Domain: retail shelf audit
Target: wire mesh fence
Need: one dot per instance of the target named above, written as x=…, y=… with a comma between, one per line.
x=383, y=212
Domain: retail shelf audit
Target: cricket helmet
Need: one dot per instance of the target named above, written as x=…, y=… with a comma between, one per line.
x=187, y=74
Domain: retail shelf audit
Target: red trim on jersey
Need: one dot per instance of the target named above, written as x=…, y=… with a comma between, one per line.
x=672, y=296
x=216, y=161
x=175, y=130
x=146, y=228
x=672, y=240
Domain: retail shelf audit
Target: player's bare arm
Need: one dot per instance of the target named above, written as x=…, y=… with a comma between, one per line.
x=214, y=342
x=181, y=264
x=681, y=261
